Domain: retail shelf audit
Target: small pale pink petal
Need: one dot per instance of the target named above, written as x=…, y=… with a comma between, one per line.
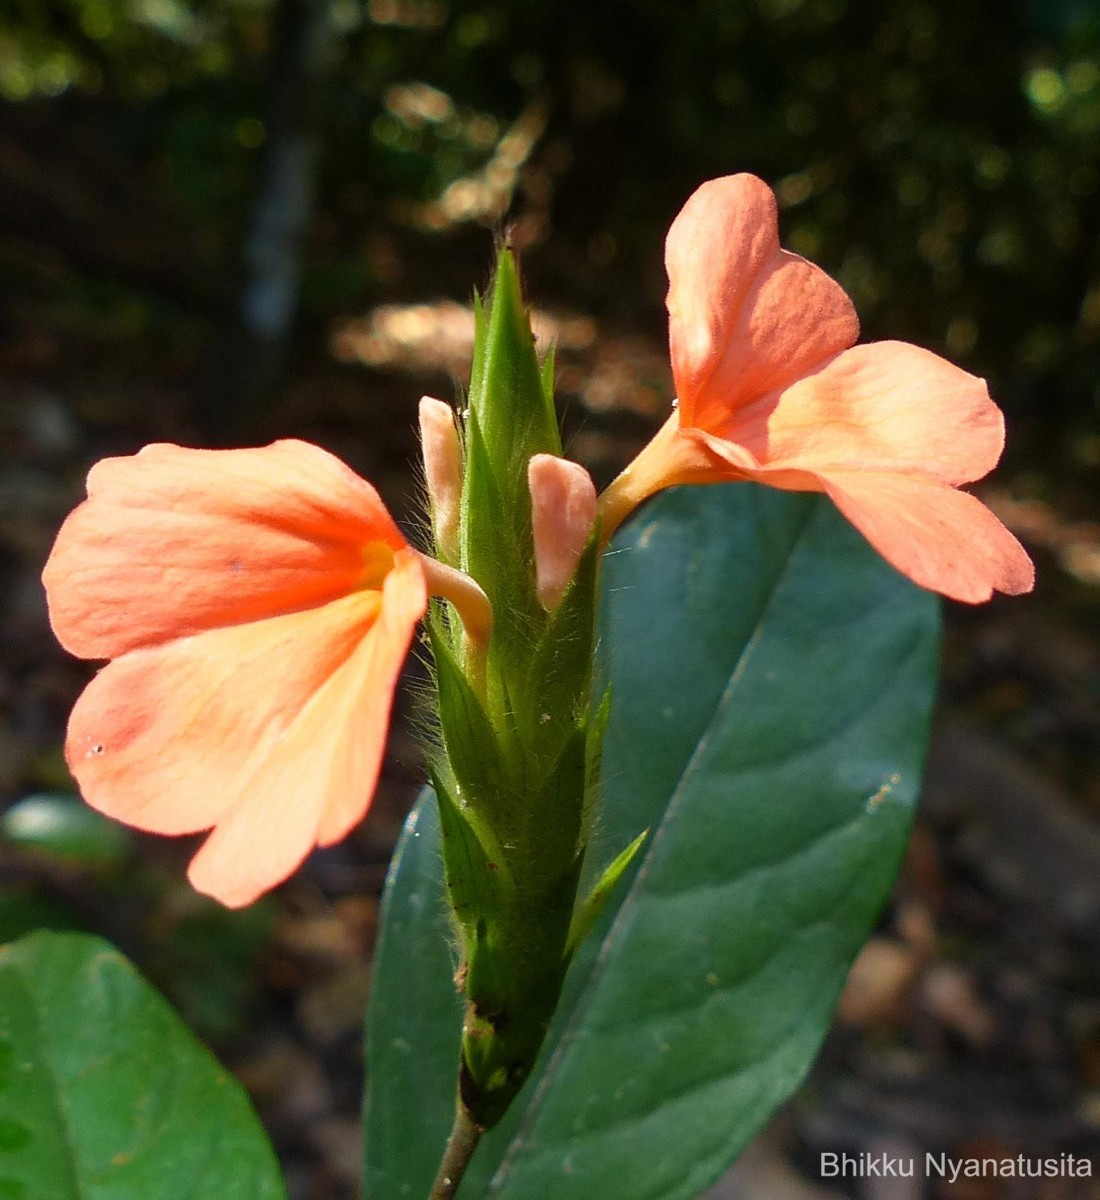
x=563, y=512
x=442, y=472
x=174, y=541
x=745, y=317
x=887, y=406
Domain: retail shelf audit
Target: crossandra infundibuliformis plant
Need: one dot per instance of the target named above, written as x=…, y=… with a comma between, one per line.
x=672, y=781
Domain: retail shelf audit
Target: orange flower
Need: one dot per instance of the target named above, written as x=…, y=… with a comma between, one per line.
x=772, y=389
x=258, y=605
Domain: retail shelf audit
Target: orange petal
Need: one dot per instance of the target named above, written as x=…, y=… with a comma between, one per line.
x=745, y=317
x=943, y=539
x=887, y=406
x=272, y=731
x=174, y=541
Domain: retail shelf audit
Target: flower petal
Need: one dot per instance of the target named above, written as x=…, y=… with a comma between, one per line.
x=272, y=731
x=563, y=511
x=745, y=317
x=943, y=539
x=887, y=406
x=173, y=541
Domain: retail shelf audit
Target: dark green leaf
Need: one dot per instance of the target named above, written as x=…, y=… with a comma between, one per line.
x=415, y=1020
x=105, y=1095
x=771, y=685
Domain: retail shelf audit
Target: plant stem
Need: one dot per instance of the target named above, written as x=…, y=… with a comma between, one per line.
x=461, y=1145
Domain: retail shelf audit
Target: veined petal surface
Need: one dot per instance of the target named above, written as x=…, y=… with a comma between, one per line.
x=886, y=406
x=745, y=317
x=173, y=541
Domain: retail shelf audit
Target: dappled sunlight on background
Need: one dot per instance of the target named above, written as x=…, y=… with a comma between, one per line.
x=602, y=371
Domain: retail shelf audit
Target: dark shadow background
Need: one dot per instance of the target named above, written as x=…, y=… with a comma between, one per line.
x=222, y=222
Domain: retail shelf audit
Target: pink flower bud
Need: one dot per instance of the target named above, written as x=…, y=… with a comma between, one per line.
x=443, y=472
x=563, y=512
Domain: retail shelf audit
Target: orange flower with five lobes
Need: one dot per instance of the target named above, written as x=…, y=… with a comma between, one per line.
x=772, y=388
x=257, y=606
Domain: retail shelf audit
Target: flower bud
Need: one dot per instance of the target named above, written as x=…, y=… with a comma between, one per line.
x=563, y=512
x=443, y=472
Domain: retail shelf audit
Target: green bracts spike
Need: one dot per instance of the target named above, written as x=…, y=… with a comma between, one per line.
x=511, y=398
x=514, y=779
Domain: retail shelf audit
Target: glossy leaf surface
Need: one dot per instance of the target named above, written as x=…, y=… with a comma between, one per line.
x=105, y=1095
x=772, y=681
